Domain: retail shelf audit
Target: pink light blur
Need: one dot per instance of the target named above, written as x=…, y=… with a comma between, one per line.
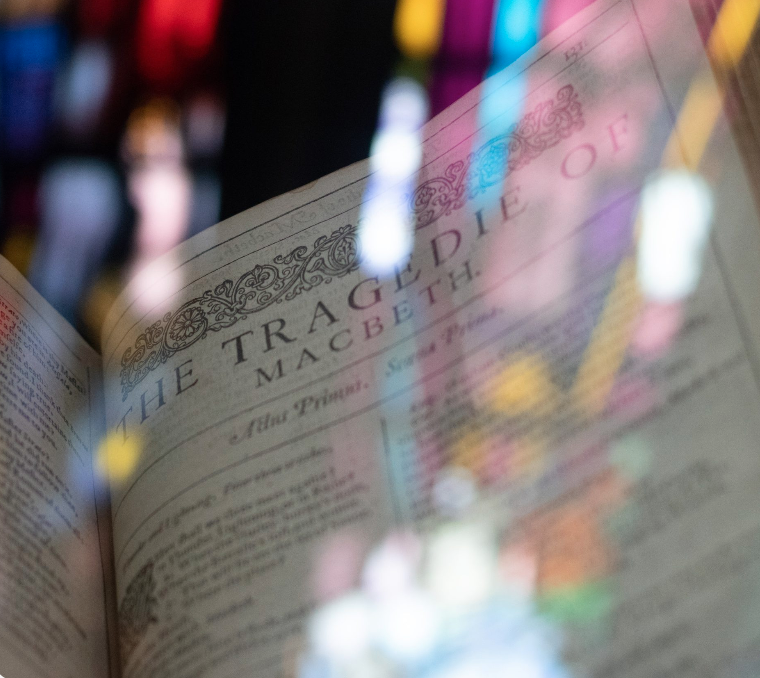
x=465, y=51
x=172, y=35
x=337, y=565
x=658, y=326
x=161, y=195
x=557, y=12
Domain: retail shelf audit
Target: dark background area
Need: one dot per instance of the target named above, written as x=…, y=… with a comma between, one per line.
x=129, y=125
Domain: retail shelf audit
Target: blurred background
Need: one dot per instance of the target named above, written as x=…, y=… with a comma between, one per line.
x=127, y=126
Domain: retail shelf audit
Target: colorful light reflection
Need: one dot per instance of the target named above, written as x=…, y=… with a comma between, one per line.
x=385, y=229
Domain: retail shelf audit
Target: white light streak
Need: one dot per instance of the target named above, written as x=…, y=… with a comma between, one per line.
x=342, y=630
x=676, y=211
x=407, y=626
x=462, y=565
x=385, y=228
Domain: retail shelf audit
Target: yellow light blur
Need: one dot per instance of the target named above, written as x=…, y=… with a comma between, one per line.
x=18, y=249
x=25, y=9
x=418, y=27
x=467, y=452
x=609, y=342
x=116, y=457
x=733, y=30
x=524, y=387
x=153, y=131
x=686, y=146
x=696, y=122
x=99, y=300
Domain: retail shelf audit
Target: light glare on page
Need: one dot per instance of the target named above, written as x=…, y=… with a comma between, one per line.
x=390, y=568
x=676, y=210
x=116, y=458
x=156, y=284
x=404, y=105
x=385, y=238
x=461, y=567
x=407, y=625
x=342, y=629
x=396, y=153
x=385, y=231
x=454, y=491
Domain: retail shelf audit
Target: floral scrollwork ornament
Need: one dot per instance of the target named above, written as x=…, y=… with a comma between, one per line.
x=544, y=127
x=287, y=276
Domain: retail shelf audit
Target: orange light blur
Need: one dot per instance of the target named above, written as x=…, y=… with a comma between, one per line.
x=733, y=30
x=418, y=27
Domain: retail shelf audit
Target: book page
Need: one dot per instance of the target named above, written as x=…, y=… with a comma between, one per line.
x=51, y=578
x=531, y=446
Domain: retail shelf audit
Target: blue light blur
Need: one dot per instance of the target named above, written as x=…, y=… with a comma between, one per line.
x=516, y=29
x=29, y=54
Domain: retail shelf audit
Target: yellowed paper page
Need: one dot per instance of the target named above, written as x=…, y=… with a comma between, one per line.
x=52, y=610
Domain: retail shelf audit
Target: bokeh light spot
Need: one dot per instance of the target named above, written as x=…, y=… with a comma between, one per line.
x=117, y=458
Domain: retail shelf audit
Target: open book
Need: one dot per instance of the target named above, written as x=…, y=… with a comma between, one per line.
x=531, y=450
